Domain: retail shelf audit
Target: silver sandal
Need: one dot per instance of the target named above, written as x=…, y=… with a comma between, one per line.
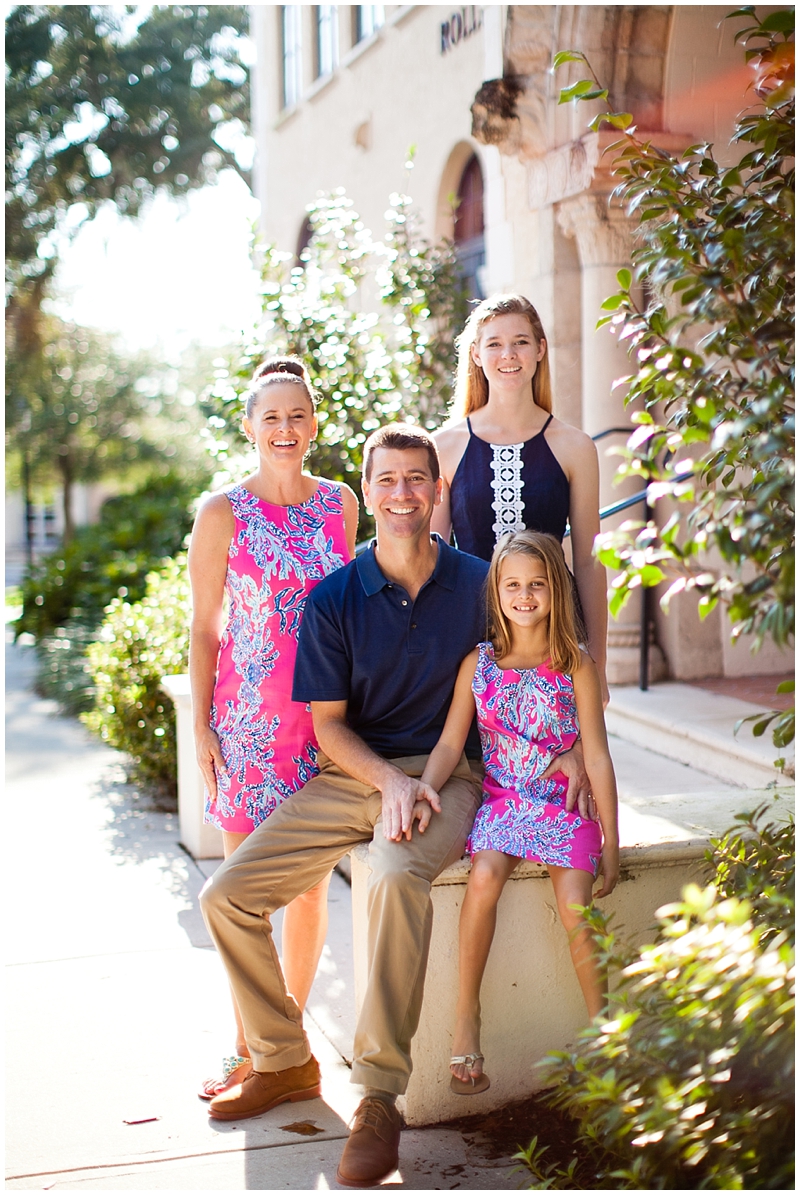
x=472, y=1086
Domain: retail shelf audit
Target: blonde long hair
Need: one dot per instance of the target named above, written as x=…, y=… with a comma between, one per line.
x=565, y=653
x=472, y=388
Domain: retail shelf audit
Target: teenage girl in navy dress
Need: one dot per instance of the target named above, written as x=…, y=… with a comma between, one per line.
x=509, y=465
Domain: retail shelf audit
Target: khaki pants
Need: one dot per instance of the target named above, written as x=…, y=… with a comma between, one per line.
x=287, y=855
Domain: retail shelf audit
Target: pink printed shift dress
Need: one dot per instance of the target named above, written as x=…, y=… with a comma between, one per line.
x=276, y=557
x=525, y=718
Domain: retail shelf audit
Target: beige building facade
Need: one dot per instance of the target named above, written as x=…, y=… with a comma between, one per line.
x=343, y=92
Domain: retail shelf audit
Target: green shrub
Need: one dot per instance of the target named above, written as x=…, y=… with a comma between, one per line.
x=689, y=1082
x=64, y=673
x=371, y=364
x=138, y=644
x=109, y=559
x=757, y=864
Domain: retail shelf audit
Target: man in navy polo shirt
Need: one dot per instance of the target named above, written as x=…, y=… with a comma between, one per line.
x=380, y=646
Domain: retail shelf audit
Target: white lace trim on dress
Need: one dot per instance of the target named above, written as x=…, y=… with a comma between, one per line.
x=507, y=485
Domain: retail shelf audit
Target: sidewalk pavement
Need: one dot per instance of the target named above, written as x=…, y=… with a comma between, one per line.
x=117, y=1006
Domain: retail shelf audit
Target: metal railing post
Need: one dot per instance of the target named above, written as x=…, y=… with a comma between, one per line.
x=644, y=639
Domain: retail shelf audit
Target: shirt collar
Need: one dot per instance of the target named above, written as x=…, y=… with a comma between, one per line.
x=372, y=579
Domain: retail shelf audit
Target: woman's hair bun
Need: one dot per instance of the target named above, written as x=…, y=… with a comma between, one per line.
x=281, y=365
x=292, y=369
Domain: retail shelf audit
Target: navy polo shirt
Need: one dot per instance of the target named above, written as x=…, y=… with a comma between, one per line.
x=394, y=661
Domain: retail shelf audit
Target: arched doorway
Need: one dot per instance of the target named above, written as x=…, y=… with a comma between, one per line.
x=468, y=232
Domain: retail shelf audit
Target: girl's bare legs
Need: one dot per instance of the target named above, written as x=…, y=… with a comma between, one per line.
x=305, y=924
x=490, y=870
x=574, y=887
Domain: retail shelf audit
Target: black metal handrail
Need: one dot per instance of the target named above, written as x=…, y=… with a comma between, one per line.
x=610, y=431
x=646, y=614
x=605, y=512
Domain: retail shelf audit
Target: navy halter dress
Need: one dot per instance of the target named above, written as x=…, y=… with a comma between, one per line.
x=507, y=487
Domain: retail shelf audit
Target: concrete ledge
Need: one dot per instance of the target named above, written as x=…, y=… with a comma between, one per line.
x=531, y=1002
x=695, y=727
x=201, y=840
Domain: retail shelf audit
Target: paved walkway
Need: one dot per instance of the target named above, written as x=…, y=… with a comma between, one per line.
x=116, y=1003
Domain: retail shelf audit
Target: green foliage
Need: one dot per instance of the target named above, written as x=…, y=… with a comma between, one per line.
x=80, y=408
x=63, y=673
x=688, y=1084
x=781, y=721
x=101, y=105
x=314, y=312
x=549, y=1175
x=424, y=289
x=368, y=370
x=713, y=348
x=756, y=863
x=72, y=409
x=140, y=642
x=107, y=560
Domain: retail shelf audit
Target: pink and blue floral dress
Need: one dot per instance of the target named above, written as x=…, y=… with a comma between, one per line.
x=276, y=557
x=525, y=718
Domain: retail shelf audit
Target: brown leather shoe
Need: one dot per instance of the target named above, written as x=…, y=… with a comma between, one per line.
x=262, y=1090
x=373, y=1146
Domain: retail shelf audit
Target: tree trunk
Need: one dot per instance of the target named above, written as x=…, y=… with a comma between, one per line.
x=28, y=508
x=67, y=481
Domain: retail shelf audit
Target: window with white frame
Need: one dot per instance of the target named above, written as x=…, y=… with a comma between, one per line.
x=326, y=18
x=292, y=54
x=369, y=17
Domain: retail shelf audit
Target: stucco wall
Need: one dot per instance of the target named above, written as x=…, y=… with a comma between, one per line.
x=706, y=76
x=399, y=85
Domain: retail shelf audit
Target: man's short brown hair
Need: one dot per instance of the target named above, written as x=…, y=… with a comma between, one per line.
x=402, y=436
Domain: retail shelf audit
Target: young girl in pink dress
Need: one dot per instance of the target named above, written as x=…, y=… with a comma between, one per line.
x=263, y=545
x=535, y=690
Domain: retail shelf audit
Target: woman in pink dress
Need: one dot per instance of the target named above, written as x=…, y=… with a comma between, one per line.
x=263, y=545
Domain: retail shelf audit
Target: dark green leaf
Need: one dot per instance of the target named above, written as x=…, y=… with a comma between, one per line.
x=779, y=22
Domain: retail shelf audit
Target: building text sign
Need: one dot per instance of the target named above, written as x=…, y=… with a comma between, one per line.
x=460, y=25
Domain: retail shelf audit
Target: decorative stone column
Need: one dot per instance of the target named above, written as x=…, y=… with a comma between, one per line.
x=605, y=241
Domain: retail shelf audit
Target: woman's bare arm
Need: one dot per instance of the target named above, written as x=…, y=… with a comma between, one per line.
x=583, y=473
x=350, y=512
x=452, y=443
x=597, y=759
x=447, y=752
x=208, y=564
